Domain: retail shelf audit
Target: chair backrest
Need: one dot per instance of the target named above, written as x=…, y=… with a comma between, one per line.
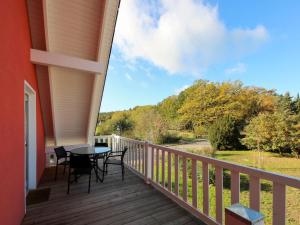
x=97, y=144
x=124, y=152
x=60, y=152
x=80, y=161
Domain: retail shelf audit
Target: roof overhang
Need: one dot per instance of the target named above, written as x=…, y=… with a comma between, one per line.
x=71, y=44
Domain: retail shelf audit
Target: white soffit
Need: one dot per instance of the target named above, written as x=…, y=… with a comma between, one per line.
x=74, y=28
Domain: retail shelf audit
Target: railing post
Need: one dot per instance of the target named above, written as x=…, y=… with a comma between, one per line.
x=239, y=214
x=219, y=193
x=235, y=187
x=205, y=178
x=279, y=198
x=148, y=167
x=254, y=190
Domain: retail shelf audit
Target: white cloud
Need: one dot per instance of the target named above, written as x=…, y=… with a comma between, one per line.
x=181, y=36
x=177, y=91
x=236, y=69
x=128, y=76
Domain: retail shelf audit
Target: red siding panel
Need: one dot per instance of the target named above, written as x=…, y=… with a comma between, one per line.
x=15, y=67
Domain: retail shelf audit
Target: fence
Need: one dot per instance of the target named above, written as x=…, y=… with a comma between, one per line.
x=166, y=169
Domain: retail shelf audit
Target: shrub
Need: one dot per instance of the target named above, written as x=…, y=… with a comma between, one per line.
x=224, y=134
x=169, y=138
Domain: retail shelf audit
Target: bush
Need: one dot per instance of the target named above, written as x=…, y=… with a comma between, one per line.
x=226, y=177
x=200, y=131
x=224, y=134
x=169, y=138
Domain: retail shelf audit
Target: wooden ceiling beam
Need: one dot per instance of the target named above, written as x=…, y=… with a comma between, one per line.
x=46, y=58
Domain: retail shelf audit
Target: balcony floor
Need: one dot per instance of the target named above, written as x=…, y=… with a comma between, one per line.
x=111, y=202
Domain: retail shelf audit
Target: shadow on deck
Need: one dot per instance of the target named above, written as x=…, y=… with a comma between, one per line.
x=110, y=202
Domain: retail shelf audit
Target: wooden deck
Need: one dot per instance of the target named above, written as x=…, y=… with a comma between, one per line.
x=111, y=202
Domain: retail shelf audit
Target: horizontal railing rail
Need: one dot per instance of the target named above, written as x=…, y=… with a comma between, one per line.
x=169, y=170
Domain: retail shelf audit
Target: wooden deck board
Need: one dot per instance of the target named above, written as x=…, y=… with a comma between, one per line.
x=112, y=202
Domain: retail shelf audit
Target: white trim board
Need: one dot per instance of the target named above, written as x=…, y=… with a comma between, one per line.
x=31, y=145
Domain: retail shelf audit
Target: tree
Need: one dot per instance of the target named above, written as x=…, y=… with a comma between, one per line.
x=285, y=103
x=269, y=132
x=117, y=122
x=121, y=122
x=205, y=102
x=221, y=110
x=295, y=131
x=297, y=104
x=149, y=124
x=168, y=110
x=224, y=134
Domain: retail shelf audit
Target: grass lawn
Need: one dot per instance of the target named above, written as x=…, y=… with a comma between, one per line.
x=267, y=161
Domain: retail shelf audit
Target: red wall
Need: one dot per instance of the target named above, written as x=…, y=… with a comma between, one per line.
x=15, y=67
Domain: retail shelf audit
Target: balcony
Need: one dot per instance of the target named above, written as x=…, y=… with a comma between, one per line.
x=158, y=180
x=110, y=202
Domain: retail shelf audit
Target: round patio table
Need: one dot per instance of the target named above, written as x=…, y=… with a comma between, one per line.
x=94, y=152
x=91, y=150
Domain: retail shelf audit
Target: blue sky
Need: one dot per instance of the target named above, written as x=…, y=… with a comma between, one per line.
x=162, y=47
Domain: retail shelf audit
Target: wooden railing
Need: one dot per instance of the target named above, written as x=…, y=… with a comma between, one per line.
x=166, y=169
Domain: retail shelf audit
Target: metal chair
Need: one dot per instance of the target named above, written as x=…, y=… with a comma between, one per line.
x=97, y=157
x=61, y=153
x=101, y=144
x=79, y=165
x=115, y=158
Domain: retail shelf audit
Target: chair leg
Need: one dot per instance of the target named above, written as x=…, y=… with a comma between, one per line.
x=56, y=169
x=69, y=177
x=64, y=169
x=123, y=172
x=96, y=172
x=103, y=172
x=97, y=169
x=75, y=178
x=103, y=162
x=90, y=182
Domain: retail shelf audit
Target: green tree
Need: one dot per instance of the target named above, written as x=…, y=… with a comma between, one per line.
x=297, y=104
x=224, y=134
x=269, y=132
x=285, y=103
x=168, y=110
x=295, y=131
x=117, y=122
x=121, y=122
x=149, y=124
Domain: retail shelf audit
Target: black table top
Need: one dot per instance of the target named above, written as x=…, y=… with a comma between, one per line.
x=91, y=150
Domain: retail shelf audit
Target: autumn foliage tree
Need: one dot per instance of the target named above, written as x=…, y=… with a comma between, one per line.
x=228, y=112
x=268, y=132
